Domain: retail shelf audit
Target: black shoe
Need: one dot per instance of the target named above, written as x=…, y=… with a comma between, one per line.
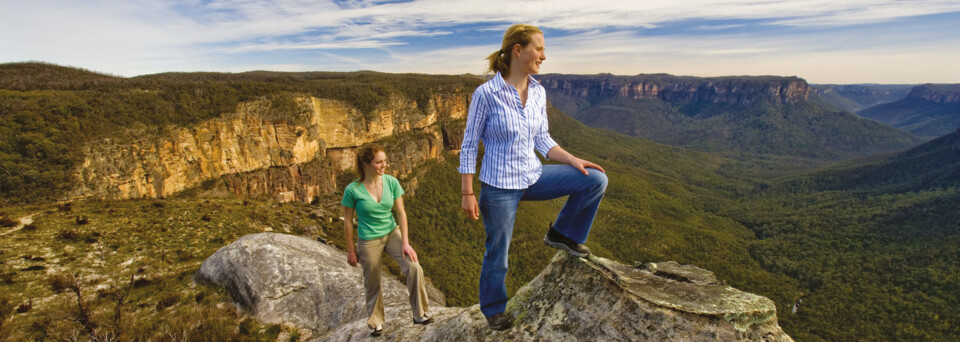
x=425, y=320
x=377, y=332
x=555, y=240
x=499, y=321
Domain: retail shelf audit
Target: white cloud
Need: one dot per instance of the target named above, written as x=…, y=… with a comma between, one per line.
x=144, y=36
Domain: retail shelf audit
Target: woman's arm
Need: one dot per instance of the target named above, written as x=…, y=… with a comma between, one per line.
x=468, y=200
x=559, y=154
x=472, y=133
x=348, y=233
x=402, y=217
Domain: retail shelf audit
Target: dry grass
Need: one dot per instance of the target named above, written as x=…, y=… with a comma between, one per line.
x=123, y=270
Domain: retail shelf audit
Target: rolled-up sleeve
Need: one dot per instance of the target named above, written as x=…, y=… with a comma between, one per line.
x=476, y=122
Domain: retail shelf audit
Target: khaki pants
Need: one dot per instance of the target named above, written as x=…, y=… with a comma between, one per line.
x=370, y=253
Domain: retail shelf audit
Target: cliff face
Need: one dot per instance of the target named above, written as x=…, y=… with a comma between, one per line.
x=292, y=159
x=279, y=278
x=679, y=90
x=937, y=93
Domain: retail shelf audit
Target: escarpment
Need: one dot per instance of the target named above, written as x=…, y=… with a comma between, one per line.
x=936, y=93
x=279, y=278
x=258, y=152
x=681, y=90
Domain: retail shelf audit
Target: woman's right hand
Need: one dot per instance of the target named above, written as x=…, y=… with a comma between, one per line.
x=352, y=258
x=470, y=207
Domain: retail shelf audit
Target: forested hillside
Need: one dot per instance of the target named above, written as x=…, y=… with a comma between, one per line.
x=873, y=243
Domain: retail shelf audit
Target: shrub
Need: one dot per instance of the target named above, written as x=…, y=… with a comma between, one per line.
x=68, y=235
x=167, y=300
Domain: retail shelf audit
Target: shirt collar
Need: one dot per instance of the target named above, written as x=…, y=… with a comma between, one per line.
x=501, y=84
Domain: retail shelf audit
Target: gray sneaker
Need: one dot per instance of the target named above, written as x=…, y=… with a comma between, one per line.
x=555, y=240
x=500, y=321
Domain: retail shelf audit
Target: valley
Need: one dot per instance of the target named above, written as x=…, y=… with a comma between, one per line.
x=776, y=193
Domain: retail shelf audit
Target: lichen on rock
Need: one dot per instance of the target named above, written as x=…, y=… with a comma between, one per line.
x=571, y=299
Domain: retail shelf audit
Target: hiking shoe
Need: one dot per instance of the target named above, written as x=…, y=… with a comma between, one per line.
x=499, y=321
x=377, y=332
x=425, y=320
x=555, y=240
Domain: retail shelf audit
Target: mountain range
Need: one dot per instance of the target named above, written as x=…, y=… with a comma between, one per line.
x=729, y=115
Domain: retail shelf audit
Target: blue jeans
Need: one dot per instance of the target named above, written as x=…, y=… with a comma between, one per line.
x=499, y=210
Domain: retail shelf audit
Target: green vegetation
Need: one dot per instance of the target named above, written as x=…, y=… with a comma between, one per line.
x=127, y=273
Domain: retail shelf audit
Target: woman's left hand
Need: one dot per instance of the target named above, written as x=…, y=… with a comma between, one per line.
x=582, y=165
x=408, y=251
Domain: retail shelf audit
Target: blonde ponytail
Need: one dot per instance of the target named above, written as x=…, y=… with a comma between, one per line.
x=517, y=34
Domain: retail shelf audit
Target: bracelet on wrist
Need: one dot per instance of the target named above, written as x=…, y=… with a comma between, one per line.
x=470, y=194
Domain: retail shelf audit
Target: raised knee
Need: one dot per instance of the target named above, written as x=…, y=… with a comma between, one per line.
x=599, y=178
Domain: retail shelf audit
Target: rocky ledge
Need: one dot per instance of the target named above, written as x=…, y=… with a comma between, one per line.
x=279, y=278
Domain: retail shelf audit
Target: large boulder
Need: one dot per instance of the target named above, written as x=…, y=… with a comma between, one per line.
x=282, y=278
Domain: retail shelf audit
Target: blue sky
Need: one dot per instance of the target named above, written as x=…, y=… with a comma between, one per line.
x=823, y=41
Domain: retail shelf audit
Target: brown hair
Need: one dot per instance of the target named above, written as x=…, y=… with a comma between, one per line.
x=516, y=34
x=365, y=155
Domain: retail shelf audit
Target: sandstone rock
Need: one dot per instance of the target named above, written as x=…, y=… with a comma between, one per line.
x=288, y=279
x=254, y=139
x=279, y=278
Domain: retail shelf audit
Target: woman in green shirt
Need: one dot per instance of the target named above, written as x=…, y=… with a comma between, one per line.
x=372, y=197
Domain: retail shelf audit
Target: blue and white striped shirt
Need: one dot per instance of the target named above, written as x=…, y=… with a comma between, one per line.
x=510, y=133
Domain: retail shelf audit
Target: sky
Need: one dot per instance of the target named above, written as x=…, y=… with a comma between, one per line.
x=822, y=41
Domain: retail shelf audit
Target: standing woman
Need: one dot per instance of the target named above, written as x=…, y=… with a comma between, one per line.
x=509, y=114
x=373, y=196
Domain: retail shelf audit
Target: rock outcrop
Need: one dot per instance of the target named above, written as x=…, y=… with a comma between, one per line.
x=282, y=278
x=263, y=155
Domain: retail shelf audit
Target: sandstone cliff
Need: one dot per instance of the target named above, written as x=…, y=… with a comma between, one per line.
x=280, y=278
x=937, y=93
x=290, y=156
x=681, y=90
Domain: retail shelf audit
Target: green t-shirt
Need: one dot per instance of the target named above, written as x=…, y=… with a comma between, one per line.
x=374, y=219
